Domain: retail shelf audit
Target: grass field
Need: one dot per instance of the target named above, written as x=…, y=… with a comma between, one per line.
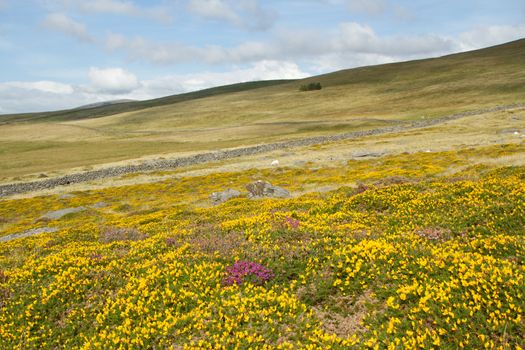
x=262, y=112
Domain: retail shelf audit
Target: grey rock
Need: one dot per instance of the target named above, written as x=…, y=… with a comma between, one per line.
x=261, y=189
x=57, y=214
x=99, y=205
x=366, y=154
x=28, y=233
x=509, y=131
x=66, y=196
x=221, y=197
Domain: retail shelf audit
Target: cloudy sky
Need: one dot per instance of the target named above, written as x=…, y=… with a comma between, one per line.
x=64, y=53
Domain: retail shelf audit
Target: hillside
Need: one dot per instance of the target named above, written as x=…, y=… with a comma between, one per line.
x=97, y=111
x=407, y=237
x=104, y=103
x=251, y=113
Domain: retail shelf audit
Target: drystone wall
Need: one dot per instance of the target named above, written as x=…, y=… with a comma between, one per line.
x=165, y=164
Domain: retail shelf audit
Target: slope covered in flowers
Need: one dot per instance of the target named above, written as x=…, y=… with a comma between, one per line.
x=409, y=258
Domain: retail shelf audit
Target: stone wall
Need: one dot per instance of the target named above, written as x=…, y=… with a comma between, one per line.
x=164, y=164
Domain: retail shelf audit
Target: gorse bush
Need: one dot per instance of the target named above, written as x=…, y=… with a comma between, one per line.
x=413, y=261
x=310, y=87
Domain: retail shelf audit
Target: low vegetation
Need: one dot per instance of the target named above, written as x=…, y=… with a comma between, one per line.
x=310, y=87
x=403, y=253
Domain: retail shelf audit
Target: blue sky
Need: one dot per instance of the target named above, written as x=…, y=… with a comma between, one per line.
x=64, y=53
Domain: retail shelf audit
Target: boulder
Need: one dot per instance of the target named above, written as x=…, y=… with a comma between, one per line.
x=367, y=154
x=57, y=214
x=221, y=197
x=27, y=233
x=261, y=189
x=99, y=205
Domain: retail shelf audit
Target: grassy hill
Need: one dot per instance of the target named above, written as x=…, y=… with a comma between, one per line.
x=106, y=109
x=251, y=113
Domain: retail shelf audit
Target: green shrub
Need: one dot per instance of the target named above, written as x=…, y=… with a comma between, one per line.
x=310, y=87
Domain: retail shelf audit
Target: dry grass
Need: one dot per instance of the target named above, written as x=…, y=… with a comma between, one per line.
x=484, y=130
x=212, y=241
x=349, y=320
x=116, y=234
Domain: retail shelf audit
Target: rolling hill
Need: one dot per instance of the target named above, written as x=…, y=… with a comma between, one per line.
x=260, y=112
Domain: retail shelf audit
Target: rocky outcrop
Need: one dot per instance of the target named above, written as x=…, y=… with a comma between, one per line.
x=260, y=189
x=163, y=164
x=366, y=154
x=221, y=197
x=28, y=233
x=57, y=214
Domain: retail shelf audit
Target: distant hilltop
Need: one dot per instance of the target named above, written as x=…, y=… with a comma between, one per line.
x=105, y=103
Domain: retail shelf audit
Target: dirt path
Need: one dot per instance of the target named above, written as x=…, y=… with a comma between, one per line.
x=164, y=164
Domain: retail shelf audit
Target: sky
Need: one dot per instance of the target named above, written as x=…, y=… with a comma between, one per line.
x=57, y=54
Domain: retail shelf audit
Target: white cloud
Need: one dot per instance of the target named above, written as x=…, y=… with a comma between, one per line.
x=490, y=35
x=112, y=80
x=173, y=84
x=375, y=8
x=19, y=97
x=110, y=6
x=215, y=9
x=263, y=70
x=62, y=23
x=355, y=37
x=372, y=7
x=116, y=83
x=43, y=86
x=349, y=38
x=241, y=13
x=117, y=7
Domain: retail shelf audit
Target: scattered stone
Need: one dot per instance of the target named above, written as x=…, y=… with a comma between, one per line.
x=57, y=214
x=261, y=189
x=28, y=233
x=300, y=163
x=221, y=197
x=275, y=163
x=366, y=154
x=66, y=196
x=99, y=205
x=509, y=131
x=117, y=234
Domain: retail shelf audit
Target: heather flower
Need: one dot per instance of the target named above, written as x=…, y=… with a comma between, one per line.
x=293, y=223
x=171, y=241
x=3, y=277
x=246, y=271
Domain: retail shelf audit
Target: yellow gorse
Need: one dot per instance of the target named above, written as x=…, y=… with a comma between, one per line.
x=424, y=261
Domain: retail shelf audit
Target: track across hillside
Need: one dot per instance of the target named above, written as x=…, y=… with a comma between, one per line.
x=164, y=164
